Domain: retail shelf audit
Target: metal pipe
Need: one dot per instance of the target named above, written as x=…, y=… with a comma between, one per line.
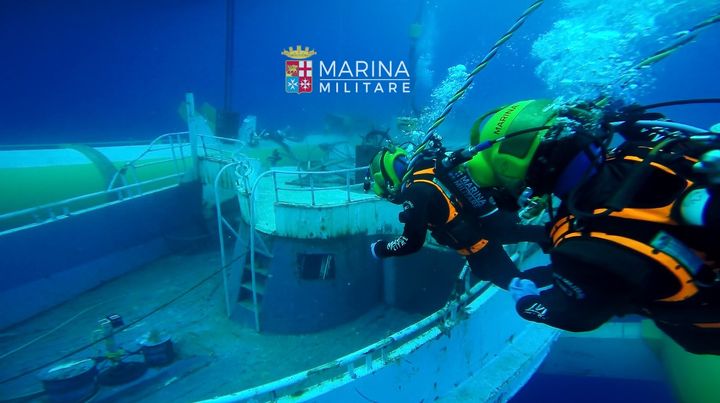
x=229, y=51
x=670, y=125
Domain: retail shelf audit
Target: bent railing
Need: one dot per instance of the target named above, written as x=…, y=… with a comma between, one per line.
x=127, y=182
x=127, y=175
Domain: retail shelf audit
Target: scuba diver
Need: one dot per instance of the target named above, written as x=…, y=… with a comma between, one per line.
x=462, y=219
x=637, y=228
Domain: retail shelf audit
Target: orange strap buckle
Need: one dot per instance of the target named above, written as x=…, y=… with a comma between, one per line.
x=473, y=249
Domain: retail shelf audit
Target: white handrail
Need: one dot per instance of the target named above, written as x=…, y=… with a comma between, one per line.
x=313, y=189
x=84, y=197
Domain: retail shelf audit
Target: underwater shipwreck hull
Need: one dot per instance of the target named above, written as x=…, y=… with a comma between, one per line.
x=291, y=215
x=478, y=350
x=73, y=216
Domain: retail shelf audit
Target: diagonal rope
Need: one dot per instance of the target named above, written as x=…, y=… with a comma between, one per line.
x=682, y=40
x=685, y=38
x=483, y=63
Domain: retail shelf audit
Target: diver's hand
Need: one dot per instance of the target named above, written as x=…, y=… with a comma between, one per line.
x=522, y=287
x=709, y=165
x=374, y=246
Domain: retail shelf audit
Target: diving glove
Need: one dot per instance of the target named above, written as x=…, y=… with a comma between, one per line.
x=709, y=165
x=374, y=246
x=522, y=287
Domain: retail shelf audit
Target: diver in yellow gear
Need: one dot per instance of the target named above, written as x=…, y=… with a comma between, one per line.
x=474, y=228
x=637, y=229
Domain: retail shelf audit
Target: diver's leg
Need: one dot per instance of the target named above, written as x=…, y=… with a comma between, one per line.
x=491, y=263
x=503, y=227
x=542, y=276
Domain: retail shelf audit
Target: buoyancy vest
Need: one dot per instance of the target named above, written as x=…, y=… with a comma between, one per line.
x=459, y=231
x=648, y=224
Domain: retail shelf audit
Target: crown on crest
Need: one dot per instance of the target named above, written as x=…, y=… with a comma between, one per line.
x=298, y=52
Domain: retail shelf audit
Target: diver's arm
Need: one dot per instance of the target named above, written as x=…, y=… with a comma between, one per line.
x=414, y=216
x=400, y=246
x=410, y=241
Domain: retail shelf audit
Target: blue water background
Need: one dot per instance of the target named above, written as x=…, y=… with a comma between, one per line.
x=573, y=389
x=116, y=70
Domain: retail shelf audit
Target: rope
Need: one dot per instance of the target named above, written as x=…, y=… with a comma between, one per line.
x=686, y=37
x=51, y=331
x=129, y=325
x=483, y=63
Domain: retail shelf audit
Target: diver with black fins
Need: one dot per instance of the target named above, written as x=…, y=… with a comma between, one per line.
x=638, y=226
x=457, y=214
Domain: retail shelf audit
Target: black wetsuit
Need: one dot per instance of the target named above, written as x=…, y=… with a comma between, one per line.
x=596, y=278
x=426, y=208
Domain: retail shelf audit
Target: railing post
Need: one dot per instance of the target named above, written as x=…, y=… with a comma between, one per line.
x=221, y=238
x=193, y=134
x=179, y=141
x=138, y=186
x=251, y=203
x=347, y=184
x=312, y=190
x=171, y=140
x=275, y=187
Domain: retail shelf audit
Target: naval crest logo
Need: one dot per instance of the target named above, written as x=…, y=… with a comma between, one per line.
x=348, y=76
x=298, y=72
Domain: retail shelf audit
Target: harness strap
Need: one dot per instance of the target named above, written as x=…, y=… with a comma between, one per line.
x=426, y=171
x=661, y=215
x=431, y=180
x=634, y=236
x=560, y=228
x=687, y=286
x=474, y=248
x=452, y=211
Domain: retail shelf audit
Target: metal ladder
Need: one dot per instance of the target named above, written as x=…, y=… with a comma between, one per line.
x=243, y=280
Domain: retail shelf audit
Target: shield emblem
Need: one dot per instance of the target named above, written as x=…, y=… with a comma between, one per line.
x=298, y=76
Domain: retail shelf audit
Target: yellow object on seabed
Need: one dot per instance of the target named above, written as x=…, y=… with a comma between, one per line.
x=694, y=377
